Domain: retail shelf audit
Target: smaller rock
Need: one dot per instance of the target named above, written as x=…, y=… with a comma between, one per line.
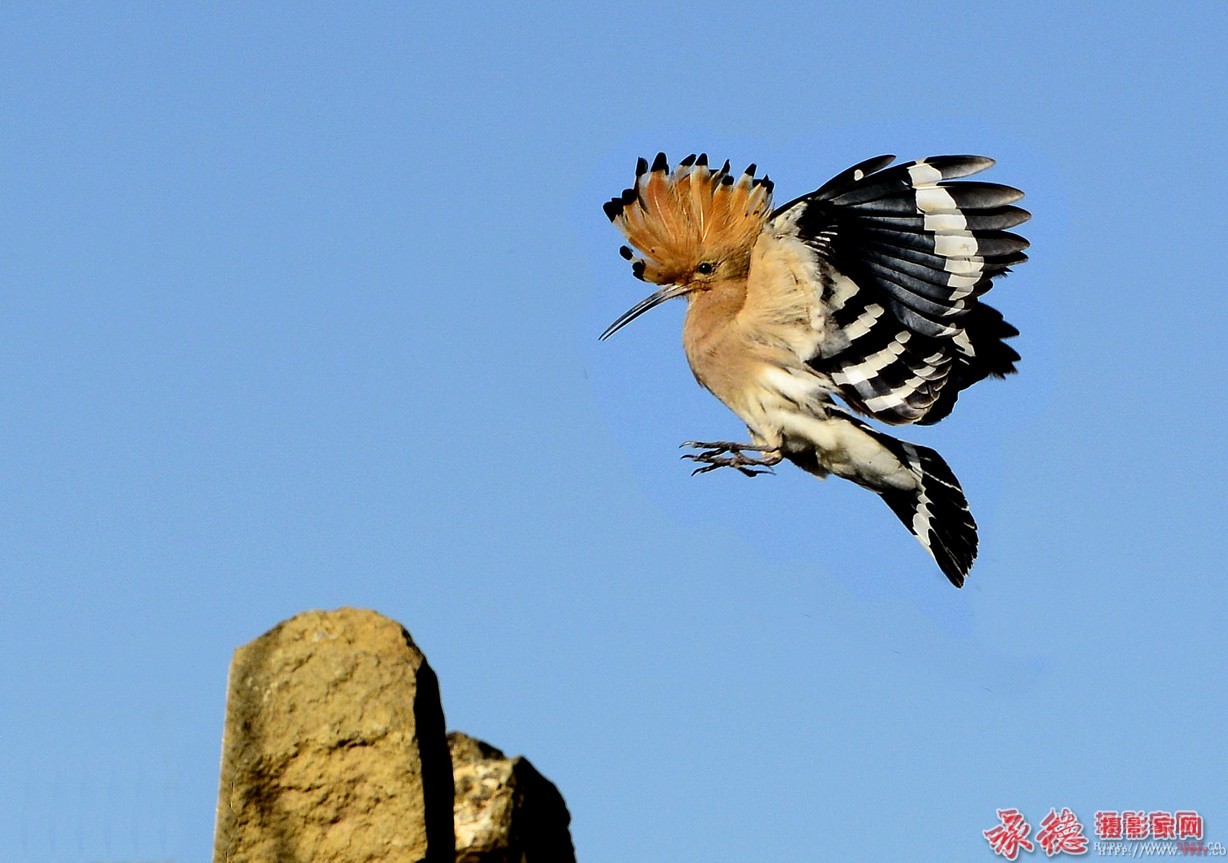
x=505, y=811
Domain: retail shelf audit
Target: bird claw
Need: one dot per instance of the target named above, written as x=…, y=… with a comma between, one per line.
x=717, y=454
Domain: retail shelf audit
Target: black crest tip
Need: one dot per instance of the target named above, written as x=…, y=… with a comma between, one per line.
x=637, y=270
x=613, y=208
x=660, y=163
x=641, y=167
x=626, y=252
x=687, y=162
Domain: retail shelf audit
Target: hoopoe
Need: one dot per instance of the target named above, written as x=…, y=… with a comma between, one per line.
x=867, y=289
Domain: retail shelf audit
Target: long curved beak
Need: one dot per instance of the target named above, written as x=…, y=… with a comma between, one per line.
x=666, y=293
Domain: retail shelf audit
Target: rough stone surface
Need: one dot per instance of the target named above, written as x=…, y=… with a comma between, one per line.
x=334, y=748
x=506, y=812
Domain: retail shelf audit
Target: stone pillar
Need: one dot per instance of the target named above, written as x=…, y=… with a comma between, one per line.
x=506, y=812
x=334, y=749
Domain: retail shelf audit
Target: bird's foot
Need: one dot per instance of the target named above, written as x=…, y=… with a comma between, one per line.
x=728, y=454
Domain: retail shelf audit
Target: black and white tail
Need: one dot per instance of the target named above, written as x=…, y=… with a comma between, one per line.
x=936, y=511
x=914, y=481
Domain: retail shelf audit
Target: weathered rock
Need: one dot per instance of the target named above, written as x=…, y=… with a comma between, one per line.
x=334, y=748
x=506, y=812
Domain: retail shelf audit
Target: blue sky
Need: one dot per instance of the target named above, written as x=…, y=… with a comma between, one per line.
x=299, y=307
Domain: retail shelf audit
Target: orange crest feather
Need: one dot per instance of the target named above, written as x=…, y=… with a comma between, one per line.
x=681, y=218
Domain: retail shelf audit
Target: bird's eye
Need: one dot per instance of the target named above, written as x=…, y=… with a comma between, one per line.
x=707, y=268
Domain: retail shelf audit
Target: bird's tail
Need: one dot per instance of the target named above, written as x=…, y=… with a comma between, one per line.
x=933, y=508
x=936, y=511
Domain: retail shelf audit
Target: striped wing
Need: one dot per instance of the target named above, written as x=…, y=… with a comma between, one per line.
x=904, y=255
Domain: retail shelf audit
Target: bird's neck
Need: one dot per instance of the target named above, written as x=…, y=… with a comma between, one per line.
x=710, y=312
x=710, y=336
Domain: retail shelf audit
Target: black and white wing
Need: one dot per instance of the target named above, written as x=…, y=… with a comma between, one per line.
x=905, y=255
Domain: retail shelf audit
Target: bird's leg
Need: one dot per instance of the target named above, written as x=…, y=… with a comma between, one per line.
x=723, y=453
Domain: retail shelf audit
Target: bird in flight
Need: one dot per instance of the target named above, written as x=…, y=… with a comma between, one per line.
x=867, y=290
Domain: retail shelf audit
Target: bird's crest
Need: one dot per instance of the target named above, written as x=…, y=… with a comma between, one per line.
x=693, y=214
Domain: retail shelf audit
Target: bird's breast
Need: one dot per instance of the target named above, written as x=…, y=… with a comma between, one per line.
x=773, y=397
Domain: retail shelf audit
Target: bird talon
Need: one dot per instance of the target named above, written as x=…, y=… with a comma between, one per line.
x=717, y=454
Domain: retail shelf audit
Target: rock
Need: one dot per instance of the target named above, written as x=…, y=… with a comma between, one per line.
x=505, y=811
x=334, y=748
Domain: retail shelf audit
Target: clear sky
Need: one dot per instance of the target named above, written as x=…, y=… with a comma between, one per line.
x=299, y=309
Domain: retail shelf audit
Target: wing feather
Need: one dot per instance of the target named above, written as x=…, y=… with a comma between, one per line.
x=904, y=254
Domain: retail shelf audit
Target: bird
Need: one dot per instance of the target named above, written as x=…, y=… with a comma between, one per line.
x=860, y=299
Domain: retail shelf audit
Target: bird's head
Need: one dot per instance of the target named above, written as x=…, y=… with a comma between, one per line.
x=692, y=227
